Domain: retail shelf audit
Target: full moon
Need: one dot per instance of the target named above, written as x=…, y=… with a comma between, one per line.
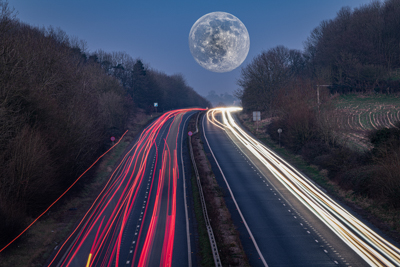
x=219, y=42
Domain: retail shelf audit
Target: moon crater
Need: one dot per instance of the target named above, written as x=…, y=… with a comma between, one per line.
x=219, y=41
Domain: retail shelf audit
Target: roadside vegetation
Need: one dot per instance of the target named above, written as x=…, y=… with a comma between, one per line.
x=35, y=247
x=59, y=106
x=337, y=104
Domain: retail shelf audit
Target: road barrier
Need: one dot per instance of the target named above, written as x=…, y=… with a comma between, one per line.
x=210, y=232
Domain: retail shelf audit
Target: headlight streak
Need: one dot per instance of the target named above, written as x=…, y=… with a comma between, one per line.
x=100, y=232
x=375, y=250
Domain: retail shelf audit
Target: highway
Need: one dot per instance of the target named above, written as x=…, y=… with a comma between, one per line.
x=284, y=219
x=140, y=218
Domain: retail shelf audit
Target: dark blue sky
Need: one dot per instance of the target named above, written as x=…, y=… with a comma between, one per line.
x=157, y=31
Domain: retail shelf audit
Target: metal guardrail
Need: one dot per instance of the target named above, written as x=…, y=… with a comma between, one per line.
x=210, y=232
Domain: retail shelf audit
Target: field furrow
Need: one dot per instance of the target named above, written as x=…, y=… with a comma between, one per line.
x=356, y=115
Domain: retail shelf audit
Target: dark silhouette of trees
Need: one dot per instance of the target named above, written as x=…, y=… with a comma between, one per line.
x=56, y=111
x=140, y=84
x=268, y=73
x=175, y=93
x=147, y=86
x=358, y=50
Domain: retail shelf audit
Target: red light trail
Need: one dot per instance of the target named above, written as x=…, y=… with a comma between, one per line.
x=140, y=186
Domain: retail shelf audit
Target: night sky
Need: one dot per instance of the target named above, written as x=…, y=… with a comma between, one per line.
x=157, y=31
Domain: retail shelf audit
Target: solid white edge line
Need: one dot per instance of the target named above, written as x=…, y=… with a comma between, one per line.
x=184, y=198
x=234, y=200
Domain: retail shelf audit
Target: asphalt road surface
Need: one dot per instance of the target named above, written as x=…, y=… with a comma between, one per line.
x=277, y=226
x=140, y=218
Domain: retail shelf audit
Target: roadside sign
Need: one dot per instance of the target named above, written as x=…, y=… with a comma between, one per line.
x=155, y=104
x=256, y=116
x=190, y=133
x=112, y=138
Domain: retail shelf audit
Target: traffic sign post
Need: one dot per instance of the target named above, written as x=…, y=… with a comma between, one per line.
x=279, y=132
x=156, y=105
x=256, y=118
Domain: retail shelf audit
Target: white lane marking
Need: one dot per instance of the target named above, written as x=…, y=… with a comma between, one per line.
x=234, y=200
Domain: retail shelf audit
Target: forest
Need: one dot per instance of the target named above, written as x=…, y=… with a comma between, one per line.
x=59, y=105
x=357, y=52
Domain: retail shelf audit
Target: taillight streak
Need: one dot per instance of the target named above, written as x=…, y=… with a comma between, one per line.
x=101, y=229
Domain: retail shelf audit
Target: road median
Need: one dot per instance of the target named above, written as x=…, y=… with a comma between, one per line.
x=226, y=235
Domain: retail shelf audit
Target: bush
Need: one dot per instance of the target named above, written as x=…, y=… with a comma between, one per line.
x=359, y=179
x=314, y=149
x=385, y=140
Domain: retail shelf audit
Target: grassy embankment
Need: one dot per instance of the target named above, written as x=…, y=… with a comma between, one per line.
x=35, y=246
x=357, y=115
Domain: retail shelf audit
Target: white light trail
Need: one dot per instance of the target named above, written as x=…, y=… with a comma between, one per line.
x=370, y=246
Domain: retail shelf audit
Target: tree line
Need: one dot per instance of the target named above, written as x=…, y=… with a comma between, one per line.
x=356, y=52
x=59, y=105
x=147, y=86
